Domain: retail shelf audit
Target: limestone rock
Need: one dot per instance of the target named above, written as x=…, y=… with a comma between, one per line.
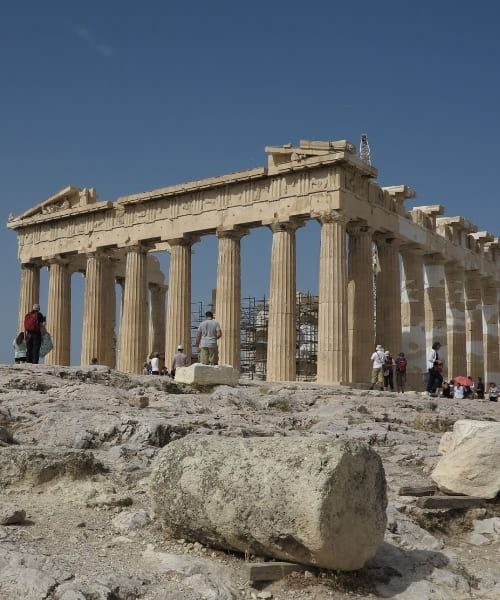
x=139, y=401
x=309, y=500
x=11, y=515
x=470, y=466
x=199, y=374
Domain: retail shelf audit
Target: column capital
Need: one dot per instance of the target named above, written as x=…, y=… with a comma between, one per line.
x=411, y=248
x=160, y=287
x=32, y=264
x=185, y=240
x=235, y=233
x=330, y=216
x=290, y=225
x=359, y=228
x=434, y=259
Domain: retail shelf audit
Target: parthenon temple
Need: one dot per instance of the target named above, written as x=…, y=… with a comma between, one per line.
x=437, y=277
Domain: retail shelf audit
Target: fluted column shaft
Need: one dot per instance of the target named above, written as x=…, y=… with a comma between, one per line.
x=360, y=321
x=228, y=300
x=490, y=332
x=455, y=320
x=332, y=313
x=413, y=316
x=157, y=315
x=388, y=309
x=435, y=305
x=29, y=291
x=473, y=323
x=281, y=334
x=179, y=299
x=108, y=354
x=59, y=313
x=93, y=329
x=133, y=333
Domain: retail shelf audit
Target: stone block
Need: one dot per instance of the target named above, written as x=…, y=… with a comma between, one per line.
x=470, y=464
x=199, y=374
x=310, y=501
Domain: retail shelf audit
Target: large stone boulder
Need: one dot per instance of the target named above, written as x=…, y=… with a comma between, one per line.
x=470, y=462
x=199, y=374
x=311, y=500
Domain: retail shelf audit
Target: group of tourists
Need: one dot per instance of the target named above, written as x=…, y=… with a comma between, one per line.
x=385, y=367
x=34, y=341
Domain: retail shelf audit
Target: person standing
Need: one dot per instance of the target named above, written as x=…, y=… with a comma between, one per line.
x=401, y=364
x=433, y=380
x=20, y=349
x=180, y=360
x=480, y=388
x=388, y=371
x=155, y=364
x=34, y=327
x=378, y=358
x=209, y=332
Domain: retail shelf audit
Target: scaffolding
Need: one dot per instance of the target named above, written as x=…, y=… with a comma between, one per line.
x=253, y=335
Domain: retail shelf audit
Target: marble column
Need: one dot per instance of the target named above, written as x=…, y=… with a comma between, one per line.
x=473, y=323
x=361, y=317
x=228, y=298
x=93, y=328
x=388, y=295
x=157, y=313
x=134, y=322
x=179, y=298
x=332, y=309
x=282, y=334
x=435, y=305
x=29, y=291
x=109, y=349
x=491, y=367
x=59, y=312
x=455, y=320
x=413, y=316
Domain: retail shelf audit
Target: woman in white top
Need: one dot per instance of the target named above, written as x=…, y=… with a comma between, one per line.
x=155, y=364
x=458, y=392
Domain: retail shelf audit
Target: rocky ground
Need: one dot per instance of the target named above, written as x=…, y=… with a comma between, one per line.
x=76, y=449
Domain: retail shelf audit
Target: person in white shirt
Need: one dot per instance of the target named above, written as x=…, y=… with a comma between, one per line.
x=458, y=392
x=155, y=364
x=378, y=358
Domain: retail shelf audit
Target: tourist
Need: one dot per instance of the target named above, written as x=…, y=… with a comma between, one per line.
x=493, y=392
x=155, y=364
x=93, y=360
x=446, y=389
x=480, y=388
x=378, y=358
x=209, y=332
x=146, y=368
x=180, y=359
x=401, y=364
x=433, y=372
x=20, y=349
x=458, y=391
x=388, y=371
x=34, y=327
x=435, y=379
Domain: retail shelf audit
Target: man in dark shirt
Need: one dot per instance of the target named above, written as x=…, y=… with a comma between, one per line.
x=34, y=335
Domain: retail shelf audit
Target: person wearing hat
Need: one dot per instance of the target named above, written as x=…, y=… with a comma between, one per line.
x=34, y=328
x=378, y=358
x=180, y=360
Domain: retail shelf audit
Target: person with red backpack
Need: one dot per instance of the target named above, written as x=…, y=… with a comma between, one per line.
x=401, y=364
x=34, y=327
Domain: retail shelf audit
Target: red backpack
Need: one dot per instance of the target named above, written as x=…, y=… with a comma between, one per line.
x=31, y=321
x=401, y=362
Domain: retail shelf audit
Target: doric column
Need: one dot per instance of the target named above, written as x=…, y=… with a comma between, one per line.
x=59, y=312
x=228, y=299
x=360, y=320
x=491, y=370
x=108, y=354
x=388, y=301
x=133, y=334
x=281, y=334
x=435, y=304
x=473, y=323
x=332, y=308
x=157, y=314
x=179, y=298
x=413, y=315
x=29, y=291
x=93, y=328
x=455, y=320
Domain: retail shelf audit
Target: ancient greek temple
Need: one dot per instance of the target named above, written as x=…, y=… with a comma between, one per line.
x=437, y=278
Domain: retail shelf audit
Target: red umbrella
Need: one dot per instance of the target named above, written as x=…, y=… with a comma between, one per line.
x=462, y=380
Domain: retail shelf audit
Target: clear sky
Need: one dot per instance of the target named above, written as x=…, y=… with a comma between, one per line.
x=131, y=96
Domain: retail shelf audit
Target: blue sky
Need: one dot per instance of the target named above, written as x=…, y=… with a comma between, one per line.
x=127, y=97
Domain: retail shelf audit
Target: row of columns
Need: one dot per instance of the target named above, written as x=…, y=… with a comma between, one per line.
x=428, y=301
